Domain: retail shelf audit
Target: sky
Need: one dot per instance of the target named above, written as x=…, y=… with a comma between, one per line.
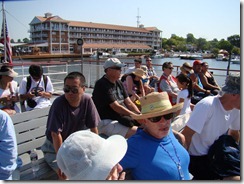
x=207, y=19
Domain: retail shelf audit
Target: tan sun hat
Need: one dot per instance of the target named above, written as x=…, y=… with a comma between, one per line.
x=140, y=73
x=186, y=67
x=156, y=104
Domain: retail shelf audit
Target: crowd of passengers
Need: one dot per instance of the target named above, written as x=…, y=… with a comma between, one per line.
x=123, y=131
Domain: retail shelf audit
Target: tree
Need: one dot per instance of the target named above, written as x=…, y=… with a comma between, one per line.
x=26, y=40
x=12, y=41
x=190, y=38
x=201, y=43
x=19, y=41
x=234, y=40
x=226, y=45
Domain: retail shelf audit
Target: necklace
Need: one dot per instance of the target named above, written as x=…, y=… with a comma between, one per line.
x=178, y=165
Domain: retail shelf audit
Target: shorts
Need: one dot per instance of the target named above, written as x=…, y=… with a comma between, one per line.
x=111, y=127
x=50, y=154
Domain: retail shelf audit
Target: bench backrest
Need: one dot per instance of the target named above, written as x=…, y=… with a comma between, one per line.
x=30, y=127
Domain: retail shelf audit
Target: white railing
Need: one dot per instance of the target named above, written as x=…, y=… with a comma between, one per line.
x=92, y=72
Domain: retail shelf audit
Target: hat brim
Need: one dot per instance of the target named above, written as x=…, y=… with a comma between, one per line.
x=174, y=108
x=10, y=74
x=143, y=77
x=113, y=150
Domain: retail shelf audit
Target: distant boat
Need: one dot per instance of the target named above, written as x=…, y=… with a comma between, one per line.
x=118, y=54
x=221, y=57
x=235, y=60
x=156, y=56
x=191, y=56
x=100, y=55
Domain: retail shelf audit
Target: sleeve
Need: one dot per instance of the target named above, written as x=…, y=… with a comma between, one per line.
x=8, y=146
x=93, y=117
x=236, y=123
x=49, y=85
x=201, y=113
x=55, y=116
x=22, y=86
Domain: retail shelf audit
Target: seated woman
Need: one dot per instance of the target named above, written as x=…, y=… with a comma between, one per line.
x=133, y=84
x=8, y=90
x=154, y=153
x=208, y=80
x=148, y=89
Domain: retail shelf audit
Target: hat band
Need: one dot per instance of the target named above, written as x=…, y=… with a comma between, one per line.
x=156, y=106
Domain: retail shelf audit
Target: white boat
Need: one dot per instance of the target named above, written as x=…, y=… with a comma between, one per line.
x=156, y=56
x=236, y=60
x=191, y=56
x=118, y=54
x=100, y=55
x=221, y=57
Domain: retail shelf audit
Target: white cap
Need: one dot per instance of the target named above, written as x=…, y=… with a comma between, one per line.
x=113, y=62
x=85, y=155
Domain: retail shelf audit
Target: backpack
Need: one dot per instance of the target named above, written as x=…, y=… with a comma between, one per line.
x=28, y=85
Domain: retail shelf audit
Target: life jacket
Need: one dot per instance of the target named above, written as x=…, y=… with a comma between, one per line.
x=166, y=79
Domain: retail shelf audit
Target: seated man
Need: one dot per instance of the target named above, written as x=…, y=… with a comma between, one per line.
x=113, y=103
x=36, y=89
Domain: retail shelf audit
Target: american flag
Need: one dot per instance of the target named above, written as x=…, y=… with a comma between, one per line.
x=8, y=45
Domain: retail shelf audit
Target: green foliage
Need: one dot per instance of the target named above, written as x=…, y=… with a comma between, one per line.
x=190, y=43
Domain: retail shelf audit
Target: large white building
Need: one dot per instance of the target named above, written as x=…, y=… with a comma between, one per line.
x=56, y=35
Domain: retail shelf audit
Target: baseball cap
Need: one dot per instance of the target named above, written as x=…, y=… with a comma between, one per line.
x=8, y=72
x=197, y=62
x=85, y=155
x=111, y=62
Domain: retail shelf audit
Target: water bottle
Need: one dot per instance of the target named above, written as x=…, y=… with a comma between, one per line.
x=34, y=161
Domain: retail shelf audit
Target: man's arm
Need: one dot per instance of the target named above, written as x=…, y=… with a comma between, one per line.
x=94, y=130
x=188, y=133
x=121, y=109
x=57, y=140
x=235, y=134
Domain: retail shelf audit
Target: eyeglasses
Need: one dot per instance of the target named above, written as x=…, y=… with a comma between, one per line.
x=73, y=90
x=116, y=68
x=158, y=118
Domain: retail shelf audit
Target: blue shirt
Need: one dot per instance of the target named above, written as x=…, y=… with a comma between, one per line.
x=8, y=147
x=149, y=161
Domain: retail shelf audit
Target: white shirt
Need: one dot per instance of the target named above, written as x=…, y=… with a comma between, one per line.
x=41, y=101
x=187, y=101
x=210, y=120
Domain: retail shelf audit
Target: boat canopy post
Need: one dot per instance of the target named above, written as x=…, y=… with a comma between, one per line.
x=228, y=66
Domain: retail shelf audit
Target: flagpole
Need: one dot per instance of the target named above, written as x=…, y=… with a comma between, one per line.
x=4, y=33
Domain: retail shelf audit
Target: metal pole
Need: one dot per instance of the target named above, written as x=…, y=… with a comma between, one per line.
x=81, y=59
x=228, y=66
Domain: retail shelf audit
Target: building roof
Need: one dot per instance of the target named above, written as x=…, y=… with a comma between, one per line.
x=96, y=25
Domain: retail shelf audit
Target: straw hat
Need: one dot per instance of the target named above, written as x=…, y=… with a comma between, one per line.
x=8, y=72
x=186, y=67
x=85, y=155
x=140, y=73
x=156, y=104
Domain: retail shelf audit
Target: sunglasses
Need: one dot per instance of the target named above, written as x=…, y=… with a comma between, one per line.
x=158, y=118
x=73, y=90
x=116, y=68
x=171, y=68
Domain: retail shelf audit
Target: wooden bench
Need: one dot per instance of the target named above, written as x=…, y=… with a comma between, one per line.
x=30, y=130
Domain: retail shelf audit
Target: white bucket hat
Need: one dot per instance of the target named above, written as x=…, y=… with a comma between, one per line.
x=85, y=155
